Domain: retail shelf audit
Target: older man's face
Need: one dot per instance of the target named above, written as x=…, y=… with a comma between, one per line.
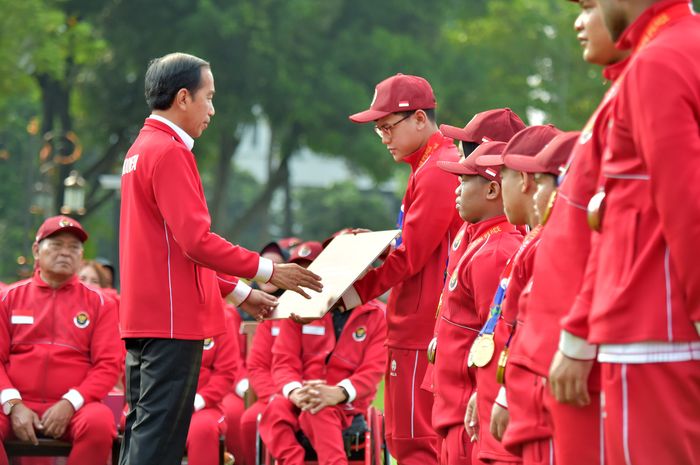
x=59, y=255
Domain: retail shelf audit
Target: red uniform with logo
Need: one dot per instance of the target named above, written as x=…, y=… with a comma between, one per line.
x=646, y=301
x=259, y=364
x=233, y=404
x=216, y=376
x=61, y=343
x=310, y=352
x=168, y=253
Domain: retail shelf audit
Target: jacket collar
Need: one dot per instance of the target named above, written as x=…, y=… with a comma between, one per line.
x=175, y=130
x=633, y=34
x=420, y=156
x=477, y=229
x=36, y=279
x=614, y=71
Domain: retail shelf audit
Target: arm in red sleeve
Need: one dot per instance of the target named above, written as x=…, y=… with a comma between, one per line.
x=105, y=355
x=666, y=134
x=363, y=382
x=425, y=226
x=287, y=366
x=224, y=369
x=5, y=342
x=178, y=193
x=259, y=361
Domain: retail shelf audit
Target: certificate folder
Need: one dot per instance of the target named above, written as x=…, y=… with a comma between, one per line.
x=340, y=264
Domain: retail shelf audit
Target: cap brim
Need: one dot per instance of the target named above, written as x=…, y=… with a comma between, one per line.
x=455, y=167
x=523, y=163
x=454, y=132
x=77, y=232
x=490, y=160
x=368, y=116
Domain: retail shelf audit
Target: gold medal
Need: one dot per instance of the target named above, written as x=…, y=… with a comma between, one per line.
x=482, y=350
x=595, y=210
x=432, y=349
x=501, y=370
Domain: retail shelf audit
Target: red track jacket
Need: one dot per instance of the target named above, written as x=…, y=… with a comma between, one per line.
x=647, y=287
x=167, y=252
x=259, y=360
x=465, y=307
x=219, y=366
x=55, y=340
x=563, y=251
x=415, y=270
x=355, y=361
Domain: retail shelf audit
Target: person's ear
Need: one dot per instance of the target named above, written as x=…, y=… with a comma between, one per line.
x=527, y=182
x=181, y=98
x=494, y=191
x=35, y=251
x=421, y=119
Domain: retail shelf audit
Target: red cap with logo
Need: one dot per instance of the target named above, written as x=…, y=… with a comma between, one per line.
x=500, y=124
x=402, y=92
x=551, y=159
x=306, y=251
x=57, y=224
x=470, y=165
x=527, y=142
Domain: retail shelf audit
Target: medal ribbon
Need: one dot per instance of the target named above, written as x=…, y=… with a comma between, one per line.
x=496, y=307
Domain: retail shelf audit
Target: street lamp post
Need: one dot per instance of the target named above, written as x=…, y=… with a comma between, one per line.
x=74, y=194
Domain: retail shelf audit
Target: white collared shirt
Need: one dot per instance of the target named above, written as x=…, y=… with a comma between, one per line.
x=186, y=138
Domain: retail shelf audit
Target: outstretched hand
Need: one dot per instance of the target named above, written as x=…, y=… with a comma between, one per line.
x=259, y=304
x=293, y=277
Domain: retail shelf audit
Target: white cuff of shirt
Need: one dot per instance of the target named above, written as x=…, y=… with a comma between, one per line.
x=351, y=298
x=75, y=398
x=289, y=387
x=199, y=403
x=9, y=394
x=242, y=387
x=576, y=347
x=265, y=269
x=240, y=293
x=347, y=385
x=501, y=397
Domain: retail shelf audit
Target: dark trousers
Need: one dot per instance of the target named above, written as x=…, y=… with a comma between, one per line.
x=161, y=382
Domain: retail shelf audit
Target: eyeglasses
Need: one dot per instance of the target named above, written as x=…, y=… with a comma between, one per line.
x=385, y=130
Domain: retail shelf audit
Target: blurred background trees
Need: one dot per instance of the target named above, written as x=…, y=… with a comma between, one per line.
x=280, y=157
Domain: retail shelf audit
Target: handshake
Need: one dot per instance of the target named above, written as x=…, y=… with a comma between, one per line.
x=315, y=395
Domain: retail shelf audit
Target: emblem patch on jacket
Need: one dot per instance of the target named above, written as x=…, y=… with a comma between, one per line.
x=360, y=334
x=22, y=316
x=81, y=320
x=453, y=281
x=393, y=368
x=208, y=343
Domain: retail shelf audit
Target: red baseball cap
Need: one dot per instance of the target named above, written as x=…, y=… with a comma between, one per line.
x=527, y=142
x=56, y=224
x=500, y=125
x=470, y=165
x=551, y=159
x=402, y=92
x=306, y=251
x=289, y=242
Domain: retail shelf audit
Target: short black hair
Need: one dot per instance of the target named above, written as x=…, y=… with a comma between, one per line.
x=170, y=73
x=468, y=147
x=429, y=112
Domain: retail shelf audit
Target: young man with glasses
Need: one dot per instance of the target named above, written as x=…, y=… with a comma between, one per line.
x=403, y=111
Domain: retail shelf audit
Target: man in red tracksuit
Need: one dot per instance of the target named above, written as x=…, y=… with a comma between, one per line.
x=327, y=372
x=492, y=125
x=216, y=376
x=403, y=111
x=558, y=273
x=529, y=181
x=169, y=261
x=517, y=190
x=60, y=352
x=469, y=290
x=644, y=314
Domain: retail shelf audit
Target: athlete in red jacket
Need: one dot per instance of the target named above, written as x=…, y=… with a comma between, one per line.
x=492, y=125
x=404, y=116
x=468, y=294
x=644, y=311
x=328, y=372
x=60, y=352
x=216, y=377
x=169, y=259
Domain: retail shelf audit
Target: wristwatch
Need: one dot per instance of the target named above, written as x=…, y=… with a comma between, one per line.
x=7, y=406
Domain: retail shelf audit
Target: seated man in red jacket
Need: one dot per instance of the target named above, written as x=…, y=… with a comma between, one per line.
x=60, y=351
x=216, y=377
x=327, y=372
